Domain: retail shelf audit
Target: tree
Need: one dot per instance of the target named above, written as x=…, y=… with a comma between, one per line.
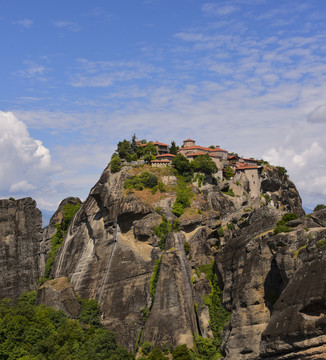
x=133, y=144
x=182, y=165
x=204, y=164
x=181, y=352
x=150, y=149
x=173, y=148
x=282, y=170
x=228, y=172
x=123, y=148
x=115, y=163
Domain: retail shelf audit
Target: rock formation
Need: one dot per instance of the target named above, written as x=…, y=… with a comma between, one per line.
x=161, y=291
x=20, y=234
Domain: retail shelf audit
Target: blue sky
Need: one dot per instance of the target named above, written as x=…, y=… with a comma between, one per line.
x=78, y=76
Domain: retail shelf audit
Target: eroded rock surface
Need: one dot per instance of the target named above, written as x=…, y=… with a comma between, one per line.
x=20, y=234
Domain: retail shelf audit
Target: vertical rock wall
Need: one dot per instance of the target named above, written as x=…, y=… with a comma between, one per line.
x=20, y=235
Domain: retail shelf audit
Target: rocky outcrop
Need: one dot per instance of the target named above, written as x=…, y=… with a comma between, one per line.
x=275, y=289
x=20, y=234
x=60, y=295
x=49, y=231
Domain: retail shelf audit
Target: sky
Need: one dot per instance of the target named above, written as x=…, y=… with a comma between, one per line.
x=79, y=76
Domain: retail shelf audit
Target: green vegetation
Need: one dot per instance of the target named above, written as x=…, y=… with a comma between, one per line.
x=200, y=178
x=115, y=164
x=320, y=207
x=204, y=164
x=186, y=247
x=183, y=166
x=90, y=312
x=281, y=170
x=146, y=347
x=182, y=352
x=184, y=196
x=206, y=349
x=69, y=210
x=30, y=332
x=230, y=226
x=267, y=198
x=154, y=278
x=220, y=232
x=173, y=148
x=281, y=225
x=320, y=243
x=144, y=180
x=176, y=225
x=229, y=192
x=145, y=313
x=218, y=315
x=162, y=231
x=228, y=173
x=12, y=199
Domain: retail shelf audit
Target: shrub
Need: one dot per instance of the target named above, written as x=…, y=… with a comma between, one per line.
x=162, y=231
x=228, y=173
x=229, y=192
x=281, y=224
x=221, y=232
x=177, y=209
x=281, y=170
x=181, y=352
x=146, y=347
x=115, y=164
x=154, y=278
x=230, y=226
x=176, y=225
x=148, y=179
x=186, y=247
x=145, y=313
x=320, y=207
x=90, y=312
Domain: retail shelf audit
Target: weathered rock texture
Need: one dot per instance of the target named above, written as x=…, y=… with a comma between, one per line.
x=20, y=234
x=60, y=295
x=273, y=285
x=49, y=231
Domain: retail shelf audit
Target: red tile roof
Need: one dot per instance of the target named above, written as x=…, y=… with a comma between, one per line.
x=188, y=140
x=163, y=155
x=217, y=150
x=245, y=167
x=195, y=147
x=159, y=143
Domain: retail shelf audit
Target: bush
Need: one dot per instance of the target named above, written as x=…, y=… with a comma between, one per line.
x=228, y=173
x=281, y=170
x=281, y=224
x=177, y=209
x=148, y=179
x=186, y=247
x=154, y=278
x=145, y=180
x=115, y=164
x=320, y=207
x=176, y=225
x=220, y=232
x=162, y=231
x=90, y=312
x=181, y=352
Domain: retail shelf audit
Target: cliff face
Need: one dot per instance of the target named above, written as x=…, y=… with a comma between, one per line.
x=20, y=234
x=110, y=252
x=272, y=285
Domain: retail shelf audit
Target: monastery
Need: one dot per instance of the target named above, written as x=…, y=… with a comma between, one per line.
x=243, y=168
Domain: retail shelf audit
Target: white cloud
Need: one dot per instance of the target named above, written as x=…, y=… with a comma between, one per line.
x=25, y=163
x=218, y=9
x=69, y=25
x=26, y=23
x=33, y=71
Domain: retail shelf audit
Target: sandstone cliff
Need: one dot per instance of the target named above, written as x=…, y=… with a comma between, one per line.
x=167, y=293
x=110, y=251
x=20, y=234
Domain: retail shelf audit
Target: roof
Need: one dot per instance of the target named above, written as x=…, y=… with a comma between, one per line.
x=161, y=161
x=155, y=143
x=246, y=167
x=164, y=155
x=159, y=143
x=248, y=159
x=217, y=149
x=194, y=147
x=188, y=140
